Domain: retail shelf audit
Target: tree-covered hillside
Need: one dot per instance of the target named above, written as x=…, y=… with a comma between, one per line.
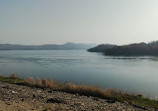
x=101, y=48
x=136, y=49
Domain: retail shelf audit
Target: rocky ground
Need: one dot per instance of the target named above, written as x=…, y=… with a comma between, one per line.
x=22, y=98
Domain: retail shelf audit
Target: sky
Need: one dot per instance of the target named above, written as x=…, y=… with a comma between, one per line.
x=80, y=21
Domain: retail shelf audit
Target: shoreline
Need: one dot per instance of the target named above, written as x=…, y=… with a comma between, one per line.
x=24, y=98
x=109, y=95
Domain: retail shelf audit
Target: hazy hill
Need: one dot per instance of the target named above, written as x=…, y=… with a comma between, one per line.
x=135, y=49
x=67, y=46
x=101, y=48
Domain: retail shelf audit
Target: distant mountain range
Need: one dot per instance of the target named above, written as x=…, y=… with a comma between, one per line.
x=67, y=46
x=135, y=49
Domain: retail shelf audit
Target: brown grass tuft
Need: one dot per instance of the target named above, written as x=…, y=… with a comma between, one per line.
x=73, y=88
x=41, y=83
x=49, y=83
x=89, y=90
x=14, y=76
x=38, y=82
x=29, y=81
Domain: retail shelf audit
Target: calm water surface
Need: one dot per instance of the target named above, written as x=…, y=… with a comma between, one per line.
x=133, y=74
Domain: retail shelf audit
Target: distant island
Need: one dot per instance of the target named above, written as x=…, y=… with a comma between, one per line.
x=66, y=46
x=135, y=49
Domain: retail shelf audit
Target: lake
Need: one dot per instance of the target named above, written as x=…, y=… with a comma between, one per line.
x=132, y=74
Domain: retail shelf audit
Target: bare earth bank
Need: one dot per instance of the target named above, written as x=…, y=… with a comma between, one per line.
x=21, y=98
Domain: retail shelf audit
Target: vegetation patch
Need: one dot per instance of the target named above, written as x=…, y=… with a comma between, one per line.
x=11, y=80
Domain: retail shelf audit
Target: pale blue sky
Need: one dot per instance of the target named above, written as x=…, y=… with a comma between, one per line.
x=80, y=21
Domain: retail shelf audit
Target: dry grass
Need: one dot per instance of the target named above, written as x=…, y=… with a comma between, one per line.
x=110, y=94
x=41, y=83
x=73, y=88
x=92, y=91
x=69, y=87
x=30, y=81
x=14, y=76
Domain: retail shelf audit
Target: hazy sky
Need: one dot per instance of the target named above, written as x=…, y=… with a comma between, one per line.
x=86, y=21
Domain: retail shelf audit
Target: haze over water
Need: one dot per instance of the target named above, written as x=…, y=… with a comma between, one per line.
x=133, y=74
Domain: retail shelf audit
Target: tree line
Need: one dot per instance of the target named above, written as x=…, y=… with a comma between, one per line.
x=136, y=49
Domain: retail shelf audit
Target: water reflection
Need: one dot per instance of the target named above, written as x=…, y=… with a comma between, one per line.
x=134, y=58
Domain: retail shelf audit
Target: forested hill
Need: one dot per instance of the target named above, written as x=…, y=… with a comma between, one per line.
x=67, y=46
x=101, y=48
x=135, y=49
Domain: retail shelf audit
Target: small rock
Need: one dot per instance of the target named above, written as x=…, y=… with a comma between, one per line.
x=110, y=101
x=55, y=100
x=40, y=107
x=82, y=104
x=95, y=98
x=49, y=91
x=14, y=92
x=39, y=91
x=6, y=87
